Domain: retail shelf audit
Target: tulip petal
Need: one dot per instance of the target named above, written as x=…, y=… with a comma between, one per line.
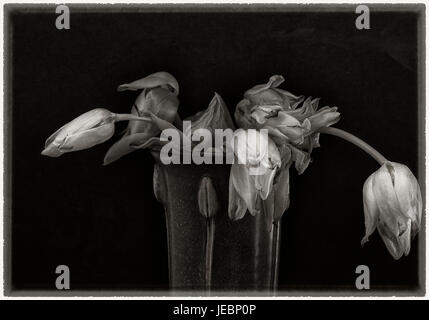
x=216, y=116
x=245, y=186
x=396, y=247
x=123, y=146
x=281, y=193
x=268, y=207
x=394, y=225
x=408, y=192
x=370, y=207
x=236, y=205
x=242, y=114
x=87, y=138
x=288, y=125
x=264, y=183
x=157, y=79
x=301, y=159
x=386, y=198
x=325, y=117
x=52, y=137
x=290, y=101
x=162, y=103
x=273, y=82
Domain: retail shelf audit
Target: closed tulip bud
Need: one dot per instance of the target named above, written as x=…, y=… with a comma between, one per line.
x=207, y=198
x=393, y=205
x=87, y=130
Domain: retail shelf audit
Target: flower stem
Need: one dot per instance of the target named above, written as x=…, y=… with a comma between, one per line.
x=275, y=255
x=209, y=251
x=127, y=116
x=356, y=141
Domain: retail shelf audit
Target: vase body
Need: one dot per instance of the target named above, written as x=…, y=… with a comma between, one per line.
x=245, y=253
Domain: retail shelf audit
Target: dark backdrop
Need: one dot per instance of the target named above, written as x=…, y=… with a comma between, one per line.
x=104, y=222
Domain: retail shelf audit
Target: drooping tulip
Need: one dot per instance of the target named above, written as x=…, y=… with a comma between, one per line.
x=159, y=97
x=87, y=130
x=393, y=206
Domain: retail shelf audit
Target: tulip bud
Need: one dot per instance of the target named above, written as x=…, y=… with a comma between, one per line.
x=207, y=199
x=87, y=130
x=393, y=205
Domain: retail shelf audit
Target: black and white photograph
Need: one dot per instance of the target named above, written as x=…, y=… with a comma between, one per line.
x=263, y=150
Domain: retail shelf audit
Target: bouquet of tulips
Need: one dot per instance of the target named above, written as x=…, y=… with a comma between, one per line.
x=259, y=177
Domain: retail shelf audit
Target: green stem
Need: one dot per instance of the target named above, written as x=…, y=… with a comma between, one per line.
x=356, y=141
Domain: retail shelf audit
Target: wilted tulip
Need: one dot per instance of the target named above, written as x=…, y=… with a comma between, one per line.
x=87, y=130
x=393, y=205
x=159, y=97
x=267, y=107
x=251, y=179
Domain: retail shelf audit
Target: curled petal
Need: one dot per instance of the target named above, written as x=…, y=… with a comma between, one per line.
x=306, y=110
x=289, y=100
x=273, y=82
x=158, y=79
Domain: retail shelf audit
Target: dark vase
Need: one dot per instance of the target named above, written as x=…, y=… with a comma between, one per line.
x=218, y=254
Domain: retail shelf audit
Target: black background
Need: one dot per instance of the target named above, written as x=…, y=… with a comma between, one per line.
x=104, y=222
